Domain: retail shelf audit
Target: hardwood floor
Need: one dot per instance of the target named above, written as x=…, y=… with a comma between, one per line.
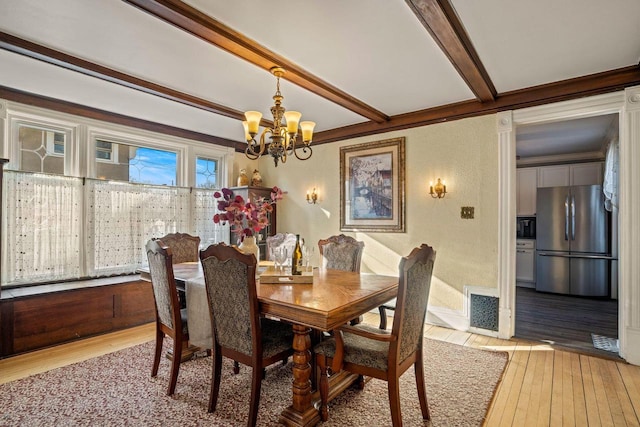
x=565, y=321
x=541, y=386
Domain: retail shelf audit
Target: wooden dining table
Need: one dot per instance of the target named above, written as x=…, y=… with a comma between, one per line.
x=334, y=298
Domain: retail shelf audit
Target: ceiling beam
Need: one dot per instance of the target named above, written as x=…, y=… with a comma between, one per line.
x=33, y=50
x=594, y=84
x=442, y=22
x=194, y=22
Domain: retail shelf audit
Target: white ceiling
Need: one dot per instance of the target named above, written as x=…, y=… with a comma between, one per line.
x=578, y=136
x=375, y=50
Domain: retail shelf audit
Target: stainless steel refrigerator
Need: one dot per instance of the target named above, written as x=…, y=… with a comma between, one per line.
x=572, y=241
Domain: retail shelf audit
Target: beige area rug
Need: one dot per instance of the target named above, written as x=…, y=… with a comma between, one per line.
x=117, y=390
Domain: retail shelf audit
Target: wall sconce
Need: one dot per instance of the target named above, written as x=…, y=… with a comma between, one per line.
x=312, y=197
x=439, y=190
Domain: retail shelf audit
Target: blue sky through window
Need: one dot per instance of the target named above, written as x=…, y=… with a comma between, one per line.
x=151, y=166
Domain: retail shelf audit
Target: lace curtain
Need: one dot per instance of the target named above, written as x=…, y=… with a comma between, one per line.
x=57, y=228
x=42, y=227
x=122, y=217
x=611, y=167
x=204, y=207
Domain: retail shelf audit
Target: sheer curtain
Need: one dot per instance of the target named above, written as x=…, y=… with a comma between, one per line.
x=204, y=207
x=122, y=217
x=610, y=184
x=42, y=227
x=62, y=228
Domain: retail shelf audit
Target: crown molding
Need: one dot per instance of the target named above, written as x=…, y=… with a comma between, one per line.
x=62, y=106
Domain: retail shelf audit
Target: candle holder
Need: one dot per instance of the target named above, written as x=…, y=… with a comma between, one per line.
x=439, y=190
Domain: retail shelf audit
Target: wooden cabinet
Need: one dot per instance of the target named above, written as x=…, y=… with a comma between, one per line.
x=2, y=341
x=575, y=174
x=527, y=181
x=32, y=320
x=252, y=193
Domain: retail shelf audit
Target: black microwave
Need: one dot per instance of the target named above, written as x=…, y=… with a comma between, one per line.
x=526, y=227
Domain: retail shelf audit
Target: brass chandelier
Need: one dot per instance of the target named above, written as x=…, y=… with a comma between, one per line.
x=283, y=134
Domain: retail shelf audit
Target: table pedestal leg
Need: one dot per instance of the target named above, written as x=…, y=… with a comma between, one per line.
x=301, y=412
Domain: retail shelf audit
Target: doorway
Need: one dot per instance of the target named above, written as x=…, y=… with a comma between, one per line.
x=627, y=104
x=554, y=306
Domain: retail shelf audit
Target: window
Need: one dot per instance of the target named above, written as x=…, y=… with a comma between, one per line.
x=206, y=173
x=152, y=166
x=105, y=151
x=41, y=149
x=58, y=227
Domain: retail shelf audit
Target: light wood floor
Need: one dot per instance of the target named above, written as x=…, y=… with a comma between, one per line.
x=540, y=386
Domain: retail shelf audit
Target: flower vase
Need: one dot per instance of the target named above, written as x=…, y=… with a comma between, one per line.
x=249, y=246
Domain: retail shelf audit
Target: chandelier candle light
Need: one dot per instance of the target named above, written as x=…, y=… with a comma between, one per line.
x=283, y=134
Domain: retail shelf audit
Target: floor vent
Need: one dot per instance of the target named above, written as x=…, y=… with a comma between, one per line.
x=484, y=311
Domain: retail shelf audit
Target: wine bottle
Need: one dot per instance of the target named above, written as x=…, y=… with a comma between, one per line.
x=296, y=258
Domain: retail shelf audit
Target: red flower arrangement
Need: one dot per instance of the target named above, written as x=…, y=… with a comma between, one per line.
x=246, y=217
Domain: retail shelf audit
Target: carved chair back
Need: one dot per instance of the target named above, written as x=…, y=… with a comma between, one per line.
x=184, y=247
x=341, y=253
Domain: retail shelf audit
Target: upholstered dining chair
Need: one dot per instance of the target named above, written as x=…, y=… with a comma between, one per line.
x=239, y=332
x=380, y=354
x=341, y=253
x=281, y=240
x=170, y=319
x=184, y=247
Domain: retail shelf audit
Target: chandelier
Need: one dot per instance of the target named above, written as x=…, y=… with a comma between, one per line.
x=283, y=135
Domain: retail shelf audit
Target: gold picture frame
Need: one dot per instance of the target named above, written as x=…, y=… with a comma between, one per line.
x=372, y=186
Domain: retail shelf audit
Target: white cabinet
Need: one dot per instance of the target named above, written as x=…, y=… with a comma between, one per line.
x=574, y=174
x=527, y=181
x=586, y=173
x=554, y=176
x=526, y=263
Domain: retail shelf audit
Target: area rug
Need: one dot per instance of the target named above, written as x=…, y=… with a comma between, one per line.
x=605, y=343
x=117, y=390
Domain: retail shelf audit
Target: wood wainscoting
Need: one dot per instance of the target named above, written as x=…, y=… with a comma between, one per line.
x=43, y=319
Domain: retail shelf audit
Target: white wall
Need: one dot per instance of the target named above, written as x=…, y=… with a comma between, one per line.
x=464, y=153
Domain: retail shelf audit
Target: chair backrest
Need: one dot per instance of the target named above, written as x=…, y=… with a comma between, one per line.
x=163, y=283
x=341, y=253
x=184, y=247
x=231, y=290
x=414, y=284
x=287, y=240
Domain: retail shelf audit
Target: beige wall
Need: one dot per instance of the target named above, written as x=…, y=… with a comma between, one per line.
x=464, y=153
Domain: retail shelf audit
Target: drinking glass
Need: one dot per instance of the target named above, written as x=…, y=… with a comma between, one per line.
x=280, y=257
x=307, y=254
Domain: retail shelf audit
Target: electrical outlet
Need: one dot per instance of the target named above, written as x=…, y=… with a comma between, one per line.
x=466, y=212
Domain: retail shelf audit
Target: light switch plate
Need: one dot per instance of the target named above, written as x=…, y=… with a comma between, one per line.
x=466, y=212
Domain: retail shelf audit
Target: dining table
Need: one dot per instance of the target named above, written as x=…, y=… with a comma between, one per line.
x=333, y=299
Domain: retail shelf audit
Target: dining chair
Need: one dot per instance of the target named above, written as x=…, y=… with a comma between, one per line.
x=342, y=253
x=366, y=350
x=184, y=247
x=239, y=332
x=170, y=319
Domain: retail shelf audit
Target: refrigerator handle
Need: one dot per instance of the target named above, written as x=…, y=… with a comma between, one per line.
x=573, y=217
x=566, y=218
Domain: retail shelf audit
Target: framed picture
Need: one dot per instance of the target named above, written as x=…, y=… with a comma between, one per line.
x=372, y=186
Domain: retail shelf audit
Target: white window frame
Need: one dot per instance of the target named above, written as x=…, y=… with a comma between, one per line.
x=51, y=144
x=115, y=149
x=18, y=119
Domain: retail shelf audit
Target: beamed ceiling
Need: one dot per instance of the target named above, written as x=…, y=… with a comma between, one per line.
x=355, y=67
